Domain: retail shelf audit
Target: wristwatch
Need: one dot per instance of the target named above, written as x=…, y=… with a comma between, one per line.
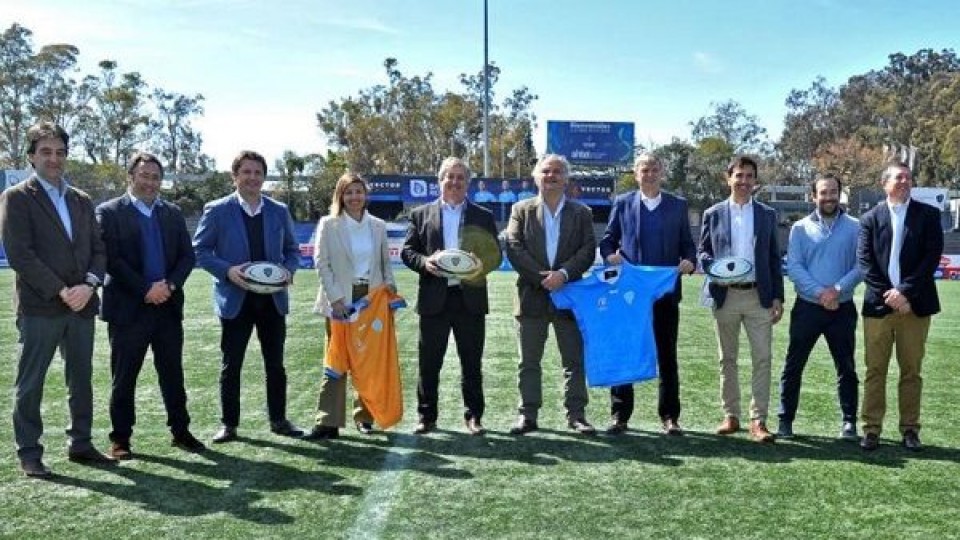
x=93, y=282
x=171, y=285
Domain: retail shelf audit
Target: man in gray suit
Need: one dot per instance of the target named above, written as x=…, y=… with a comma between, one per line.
x=745, y=228
x=549, y=243
x=53, y=244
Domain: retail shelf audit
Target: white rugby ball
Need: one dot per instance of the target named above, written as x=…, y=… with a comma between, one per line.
x=456, y=263
x=727, y=270
x=264, y=277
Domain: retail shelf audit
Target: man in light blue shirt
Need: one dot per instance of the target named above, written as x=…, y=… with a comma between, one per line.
x=507, y=196
x=525, y=191
x=822, y=263
x=482, y=195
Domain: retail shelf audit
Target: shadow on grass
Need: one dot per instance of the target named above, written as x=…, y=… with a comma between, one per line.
x=246, y=481
x=437, y=453
x=379, y=455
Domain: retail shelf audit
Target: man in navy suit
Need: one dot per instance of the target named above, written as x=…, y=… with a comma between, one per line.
x=243, y=227
x=149, y=258
x=651, y=227
x=445, y=304
x=898, y=250
x=745, y=228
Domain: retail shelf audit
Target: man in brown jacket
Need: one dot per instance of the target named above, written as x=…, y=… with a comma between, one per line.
x=53, y=245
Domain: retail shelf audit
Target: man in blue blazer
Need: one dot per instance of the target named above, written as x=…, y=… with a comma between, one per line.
x=149, y=258
x=746, y=228
x=243, y=227
x=898, y=251
x=651, y=227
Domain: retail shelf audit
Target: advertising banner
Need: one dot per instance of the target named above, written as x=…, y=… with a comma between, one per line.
x=592, y=143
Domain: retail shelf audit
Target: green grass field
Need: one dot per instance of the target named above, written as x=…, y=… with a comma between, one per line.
x=551, y=484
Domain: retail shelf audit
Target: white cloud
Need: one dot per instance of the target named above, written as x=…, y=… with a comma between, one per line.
x=363, y=24
x=706, y=63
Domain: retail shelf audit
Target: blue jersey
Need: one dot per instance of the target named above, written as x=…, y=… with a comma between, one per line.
x=615, y=317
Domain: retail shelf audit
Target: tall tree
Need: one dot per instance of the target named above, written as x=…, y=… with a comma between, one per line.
x=174, y=136
x=116, y=120
x=406, y=126
x=731, y=123
x=910, y=104
x=17, y=82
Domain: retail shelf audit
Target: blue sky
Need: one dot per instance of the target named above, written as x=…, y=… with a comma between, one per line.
x=266, y=68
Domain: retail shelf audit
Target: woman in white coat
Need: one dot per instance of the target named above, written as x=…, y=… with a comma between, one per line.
x=352, y=257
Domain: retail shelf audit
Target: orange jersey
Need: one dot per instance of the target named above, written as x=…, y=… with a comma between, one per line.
x=366, y=347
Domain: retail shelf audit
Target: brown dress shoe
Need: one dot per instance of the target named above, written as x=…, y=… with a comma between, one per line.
x=91, y=456
x=671, y=427
x=474, y=426
x=760, y=433
x=524, y=425
x=424, y=427
x=729, y=426
x=120, y=450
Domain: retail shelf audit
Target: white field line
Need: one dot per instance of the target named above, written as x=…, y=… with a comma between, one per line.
x=381, y=493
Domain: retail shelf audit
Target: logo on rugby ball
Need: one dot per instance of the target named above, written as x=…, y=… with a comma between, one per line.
x=264, y=277
x=456, y=263
x=726, y=270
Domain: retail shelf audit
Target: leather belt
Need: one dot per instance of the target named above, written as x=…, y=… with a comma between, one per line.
x=743, y=286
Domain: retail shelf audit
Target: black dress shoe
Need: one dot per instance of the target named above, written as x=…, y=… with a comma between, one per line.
x=34, y=468
x=524, y=425
x=91, y=456
x=365, y=428
x=474, y=426
x=617, y=428
x=671, y=427
x=226, y=434
x=319, y=433
x=186, y=441
x=911, y=440
x=286, y=428
x=581, y=426
x=424, y=427
x=870, y=442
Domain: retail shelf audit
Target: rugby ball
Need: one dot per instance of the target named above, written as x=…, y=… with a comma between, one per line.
x=264, y=277
x=456, y=263
x=727, y=270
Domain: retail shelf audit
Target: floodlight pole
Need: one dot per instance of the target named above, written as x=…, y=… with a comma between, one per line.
x=486, y=97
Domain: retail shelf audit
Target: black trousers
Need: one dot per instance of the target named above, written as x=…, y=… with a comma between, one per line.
x=809, y=321
x=258, y=312
x=160, y=329
x=468, y=333
x=666, y=326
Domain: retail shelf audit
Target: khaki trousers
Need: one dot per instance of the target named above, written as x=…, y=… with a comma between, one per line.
x=742, y=307
x=332, y=403
x=909, y=333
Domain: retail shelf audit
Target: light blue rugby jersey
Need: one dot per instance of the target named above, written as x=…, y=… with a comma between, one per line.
x=615, y=317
